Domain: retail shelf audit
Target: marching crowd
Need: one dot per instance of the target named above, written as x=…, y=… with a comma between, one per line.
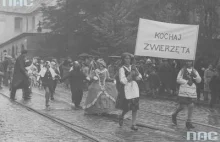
x=116, y=85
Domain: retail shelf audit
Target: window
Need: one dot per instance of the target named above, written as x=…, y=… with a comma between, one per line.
x=33, y=23
x=16, y=50
x=13, y=51
x=9, y=51
x=22, y=47
x=2, y=25
x=18, y=24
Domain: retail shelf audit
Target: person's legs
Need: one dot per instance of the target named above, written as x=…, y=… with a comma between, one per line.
x=53, y=90
x=198, y=91
x=174, y=115
x=79, y=95
x=26, y=88
x=206, y=96
x=0, y=82
x=47, y=96
x=13, y=92
x=134, y=117
x=73, y=92
x=213, y=99
x=5, y=79
x=189, y=119
x=122, y=117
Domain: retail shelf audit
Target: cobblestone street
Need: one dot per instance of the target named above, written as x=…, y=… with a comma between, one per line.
x=109, y=70
x=20, y=125
x=154, y=127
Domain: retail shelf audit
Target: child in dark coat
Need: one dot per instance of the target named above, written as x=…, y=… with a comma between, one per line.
x=76, y=78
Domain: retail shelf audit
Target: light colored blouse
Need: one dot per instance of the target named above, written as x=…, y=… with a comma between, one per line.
x=131, y=88
x=43, y=72
x=186, y=90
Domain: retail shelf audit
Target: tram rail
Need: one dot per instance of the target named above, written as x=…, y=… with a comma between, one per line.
x=164, y=115
x=59, y=122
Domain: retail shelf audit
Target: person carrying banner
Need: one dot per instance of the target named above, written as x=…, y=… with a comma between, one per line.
x=187, y=78
x=128, y=90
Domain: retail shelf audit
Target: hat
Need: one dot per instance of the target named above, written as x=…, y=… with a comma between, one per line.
x=84, y=55
x=127, y=54
x=48, y=63
x=53, y=63
x=76, y=63
x=148, y=60
x=8, y=57
x=102, y=62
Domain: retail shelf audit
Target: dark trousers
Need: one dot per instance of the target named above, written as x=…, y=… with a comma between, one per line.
x=6, y=78
x=199, y=87
x=214, y=99
x=77, y=94
x=24, y=87
x=54, y=88
x=1, y=78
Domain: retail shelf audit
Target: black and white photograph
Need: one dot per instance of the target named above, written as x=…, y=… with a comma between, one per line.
x=109, y=70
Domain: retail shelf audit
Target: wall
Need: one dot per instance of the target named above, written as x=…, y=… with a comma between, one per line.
x=16, y=44
x=36, y=45
x=7, y=24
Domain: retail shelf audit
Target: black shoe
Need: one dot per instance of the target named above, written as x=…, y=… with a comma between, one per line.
x=189, y=125
x=78, y=107
x=13, y=99
x=133, y=127
x=174, y=119
x=27, y=99
x=121, y=119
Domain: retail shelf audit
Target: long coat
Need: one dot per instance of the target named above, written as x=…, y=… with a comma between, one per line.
x=76, y=79
x=165, y=74
x=20, y=77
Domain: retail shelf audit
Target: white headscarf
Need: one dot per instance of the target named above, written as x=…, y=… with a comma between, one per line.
x=44, y=70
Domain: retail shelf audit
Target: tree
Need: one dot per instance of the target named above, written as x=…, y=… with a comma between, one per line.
x=113, y=23
x=113, y=27
x=68, y=19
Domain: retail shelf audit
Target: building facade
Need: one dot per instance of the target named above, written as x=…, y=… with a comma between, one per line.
x=16, y=19
x=35, y=43
x=18, y=26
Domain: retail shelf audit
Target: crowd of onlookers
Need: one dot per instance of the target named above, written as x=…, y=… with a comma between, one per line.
x=158, y=75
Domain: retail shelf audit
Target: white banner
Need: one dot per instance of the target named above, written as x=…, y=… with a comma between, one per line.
x=165, y=40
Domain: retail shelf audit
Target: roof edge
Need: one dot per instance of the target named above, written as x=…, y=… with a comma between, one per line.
x=19, y=37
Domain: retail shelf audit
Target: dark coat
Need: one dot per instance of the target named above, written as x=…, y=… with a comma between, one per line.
x=214, y=85
x=76, y=79
x=20, y=77
x=165, y=73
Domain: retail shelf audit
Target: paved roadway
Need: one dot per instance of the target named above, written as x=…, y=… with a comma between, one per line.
x=21, y=125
